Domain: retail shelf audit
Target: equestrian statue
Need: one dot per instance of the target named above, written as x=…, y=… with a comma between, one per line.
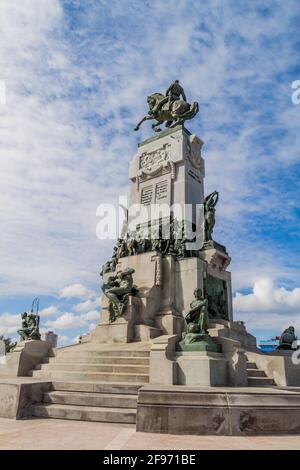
x=171, y=108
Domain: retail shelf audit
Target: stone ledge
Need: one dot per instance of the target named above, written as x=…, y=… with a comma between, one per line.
x=17, y=396
x=222, y=411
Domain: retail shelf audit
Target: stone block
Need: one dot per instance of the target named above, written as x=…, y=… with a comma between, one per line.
x=163, y=367
x=222, y=411
x=25, y=357
x=17, y=397
x=201, y=368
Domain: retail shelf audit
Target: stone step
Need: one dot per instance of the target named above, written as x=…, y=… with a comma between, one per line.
x=94, y=376
x=256, y=373
x=106, y=352
x=216, y=332
x=121, y=368
x=260, y=382
x=216, y=326
x=85, y=413
x=251, y=365
x=97, y=387
x=111, y=400
x=94, y=359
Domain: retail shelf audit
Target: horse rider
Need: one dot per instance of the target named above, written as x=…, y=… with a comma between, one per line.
x=173, y=93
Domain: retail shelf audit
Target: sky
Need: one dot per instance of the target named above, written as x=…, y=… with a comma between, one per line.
x=76, y=74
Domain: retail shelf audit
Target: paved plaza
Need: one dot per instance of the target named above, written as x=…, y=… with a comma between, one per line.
x=74, y=435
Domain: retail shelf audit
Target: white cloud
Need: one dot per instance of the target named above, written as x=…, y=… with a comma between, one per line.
x=10, y=324
x=268, y=298
x=274, y=322
x=63, y=340
x=66, y=321
x=49, y=311
x=92, y=315
x=268, y=308
x=69, y=321
x=86, y=306
x=75, y=291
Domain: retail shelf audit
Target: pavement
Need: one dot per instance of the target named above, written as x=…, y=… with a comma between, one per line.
x=54, y=434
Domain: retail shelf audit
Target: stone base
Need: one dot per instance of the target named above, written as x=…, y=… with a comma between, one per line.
x=117, y=332
x=201, y=368
x=122, y=330
x=223, y=411
x=215, y=255
x=146, y=333
x=25, y=356
x=213, y=244
x=169, y=321
x=18, y=395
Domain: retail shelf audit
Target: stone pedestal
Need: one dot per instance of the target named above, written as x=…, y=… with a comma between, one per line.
x=123, y=329
x=167, y=170
x=201, y=368
x=25, y=356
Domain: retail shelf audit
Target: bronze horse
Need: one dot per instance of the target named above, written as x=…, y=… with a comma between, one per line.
x=173, y=113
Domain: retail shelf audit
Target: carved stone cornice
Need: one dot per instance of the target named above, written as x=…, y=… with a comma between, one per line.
x=216, y=258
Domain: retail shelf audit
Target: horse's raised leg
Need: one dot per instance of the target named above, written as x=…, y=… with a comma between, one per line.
x=145, y=118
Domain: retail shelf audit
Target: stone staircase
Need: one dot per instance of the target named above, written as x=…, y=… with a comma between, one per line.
x=122, y=365
x=258, y=377
x=89, y=401
x=93, y=384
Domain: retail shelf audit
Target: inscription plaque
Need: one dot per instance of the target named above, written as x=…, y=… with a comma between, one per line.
x=161, y=191
x=146, y=195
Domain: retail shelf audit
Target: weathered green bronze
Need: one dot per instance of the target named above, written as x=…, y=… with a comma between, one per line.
x=30, y=327
x=195, y=336
x=215, y=291
x=117, y=289
x=151, y=238
x=209, y=214
x=198, y=314
x=169, y=108
x=287, y=338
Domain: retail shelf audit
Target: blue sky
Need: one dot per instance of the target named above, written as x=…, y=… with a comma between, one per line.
x=77, y=74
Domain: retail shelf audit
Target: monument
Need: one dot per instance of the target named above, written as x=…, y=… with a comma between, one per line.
x=30, y=323
x=167, y=353
x=179, y=284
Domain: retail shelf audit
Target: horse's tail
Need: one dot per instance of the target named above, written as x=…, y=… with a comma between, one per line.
x=194, y=108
